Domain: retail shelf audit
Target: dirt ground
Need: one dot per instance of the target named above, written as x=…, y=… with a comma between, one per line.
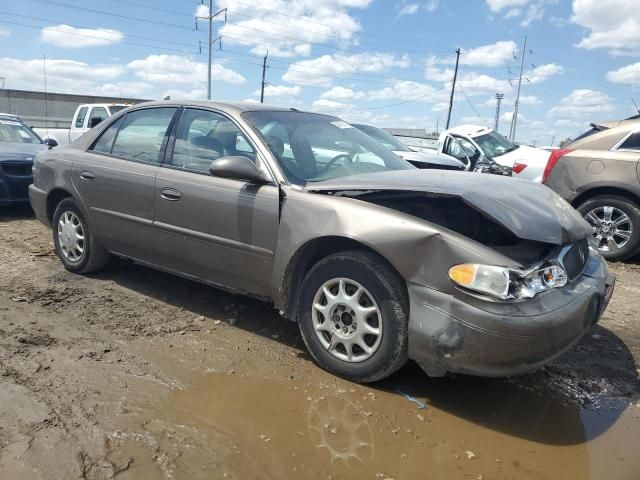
x=134, y=374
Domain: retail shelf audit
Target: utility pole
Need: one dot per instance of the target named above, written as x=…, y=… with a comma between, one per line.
x=514, y=118
x=264, y=71
x=553, y=139
x=212, y=40
x=453, y=87
x=499, y=97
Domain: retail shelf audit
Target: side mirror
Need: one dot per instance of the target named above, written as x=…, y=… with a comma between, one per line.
x=94, y=121
x=50, y=142
x=238, y=167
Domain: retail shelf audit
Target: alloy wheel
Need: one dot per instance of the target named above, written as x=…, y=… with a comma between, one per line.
x=71, y=237
x=612, y=228
x=347, y=320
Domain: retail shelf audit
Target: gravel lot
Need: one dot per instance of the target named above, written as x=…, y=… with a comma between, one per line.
x=136, y=374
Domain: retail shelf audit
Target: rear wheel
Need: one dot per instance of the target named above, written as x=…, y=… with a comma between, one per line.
x=616, y=225
x=353, y=316
x=75, y=246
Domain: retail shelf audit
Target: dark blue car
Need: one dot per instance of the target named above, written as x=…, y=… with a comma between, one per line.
x=18, y=148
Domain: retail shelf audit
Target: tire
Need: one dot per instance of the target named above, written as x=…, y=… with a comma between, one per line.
x=382, y=290
x=93, y=257
x=593, y=211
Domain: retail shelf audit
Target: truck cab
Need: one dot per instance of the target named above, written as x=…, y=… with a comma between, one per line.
x=89, y=115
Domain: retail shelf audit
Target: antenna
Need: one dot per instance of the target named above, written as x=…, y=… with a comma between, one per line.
x=46, y=107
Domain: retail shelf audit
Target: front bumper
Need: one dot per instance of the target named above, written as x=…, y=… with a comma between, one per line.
x=449, y=333
x=15, y=178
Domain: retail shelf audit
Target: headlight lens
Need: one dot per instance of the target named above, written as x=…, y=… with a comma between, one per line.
x=508, y=283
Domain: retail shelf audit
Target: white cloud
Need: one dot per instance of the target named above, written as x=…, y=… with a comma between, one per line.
x=406, y=90
x=492, y=55
x=202, y=10
x=612, y=24
x=476, y=84
x=409, y=9
x=67, y=76
x=124, y=89
x=530, y=10
x=66, y=36
x=543, y=72
x=431, y=6
x=305, y=22
x=320, y=71
x=4, y=32
x=174, y=70
x=279, y=91
x=627, y=75
x=329, y=106
x=342, y=93
x=199, y=93
x=582, y=104
x=499, y=5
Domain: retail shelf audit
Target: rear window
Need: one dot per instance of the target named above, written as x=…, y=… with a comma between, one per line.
x=632, y=143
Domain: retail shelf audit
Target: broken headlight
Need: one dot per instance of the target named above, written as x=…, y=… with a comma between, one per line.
x=508, y=283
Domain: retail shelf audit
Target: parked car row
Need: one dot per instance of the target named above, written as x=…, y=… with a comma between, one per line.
x=378, y=261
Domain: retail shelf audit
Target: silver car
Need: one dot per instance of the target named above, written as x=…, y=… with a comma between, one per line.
x=376, y=260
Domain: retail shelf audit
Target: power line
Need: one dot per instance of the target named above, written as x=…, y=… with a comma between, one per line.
x=111, y=14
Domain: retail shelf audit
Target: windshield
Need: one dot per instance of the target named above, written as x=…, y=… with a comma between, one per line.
x=493, y=144
x=311, y=147
x=113, y=109
x=388, y=140
x=16, y=132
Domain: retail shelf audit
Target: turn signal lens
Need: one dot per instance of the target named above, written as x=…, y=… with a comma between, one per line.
x=463, y=274
x=482, y=278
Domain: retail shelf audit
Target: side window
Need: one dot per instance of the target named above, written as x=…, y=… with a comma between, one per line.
x=632, y=143
x=80, y=118
x=105, y=142
x=203, y=137
x=98, y=114
x=142, y=133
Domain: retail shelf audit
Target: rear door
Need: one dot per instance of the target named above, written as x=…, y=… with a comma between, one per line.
x=217, y=229
x=78, y=123
x=115, y=180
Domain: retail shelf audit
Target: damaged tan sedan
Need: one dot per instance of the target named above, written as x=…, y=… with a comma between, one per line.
x=377, y=261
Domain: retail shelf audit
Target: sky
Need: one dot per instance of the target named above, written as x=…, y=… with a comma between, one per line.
x=382, y=62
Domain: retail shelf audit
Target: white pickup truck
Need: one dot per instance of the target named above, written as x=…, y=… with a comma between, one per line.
x=85, y=118
x=468, y=143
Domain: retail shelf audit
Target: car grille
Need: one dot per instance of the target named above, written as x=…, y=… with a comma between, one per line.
x=21, y=169
x=574, y=258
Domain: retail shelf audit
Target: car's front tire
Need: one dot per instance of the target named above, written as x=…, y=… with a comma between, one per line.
x=616, y=224
x=353, y=316
x=74, y=243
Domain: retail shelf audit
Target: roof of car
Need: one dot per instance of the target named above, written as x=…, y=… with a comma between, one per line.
x=469, y=130
x=9, y=115
x=226, y=105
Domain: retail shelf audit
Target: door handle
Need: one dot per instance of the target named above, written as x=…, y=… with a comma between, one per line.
x=170, y=194
x=86, y=175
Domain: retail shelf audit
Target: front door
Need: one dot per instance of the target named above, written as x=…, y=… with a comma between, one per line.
x=115, y=180
x=215, y=229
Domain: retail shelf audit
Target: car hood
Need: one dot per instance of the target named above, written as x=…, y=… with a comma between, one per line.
x=433, y=159
x=20, y=151
x=523, y=154
x=529, y=210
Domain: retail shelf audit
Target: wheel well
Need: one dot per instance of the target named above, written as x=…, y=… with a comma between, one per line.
x=53, y=199
x=310, y=254
x=584, y=196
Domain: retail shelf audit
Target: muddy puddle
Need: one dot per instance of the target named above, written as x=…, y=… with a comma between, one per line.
x=232, y=426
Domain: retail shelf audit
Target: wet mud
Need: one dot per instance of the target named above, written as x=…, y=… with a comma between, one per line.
x=133, y=374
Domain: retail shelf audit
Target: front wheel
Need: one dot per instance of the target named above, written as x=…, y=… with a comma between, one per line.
x=616, y=225
x=353, y=316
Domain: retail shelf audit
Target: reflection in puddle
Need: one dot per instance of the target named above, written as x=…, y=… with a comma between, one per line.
x=228, y=426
